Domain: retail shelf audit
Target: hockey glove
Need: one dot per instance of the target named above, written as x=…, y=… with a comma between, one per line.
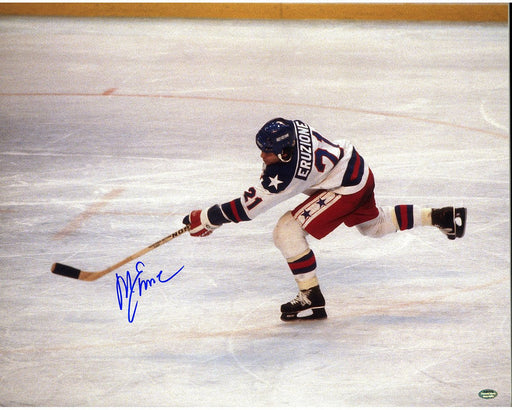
x=199, y=223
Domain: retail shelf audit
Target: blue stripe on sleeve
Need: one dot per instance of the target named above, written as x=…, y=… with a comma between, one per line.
x=235, y=211
x=355, y=170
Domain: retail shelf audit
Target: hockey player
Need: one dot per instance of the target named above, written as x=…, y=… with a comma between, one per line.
x=340, y=188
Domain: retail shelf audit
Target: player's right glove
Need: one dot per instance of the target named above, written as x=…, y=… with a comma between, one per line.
x=199, y=223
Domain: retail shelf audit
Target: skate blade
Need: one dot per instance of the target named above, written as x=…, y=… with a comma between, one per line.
x=460, y=223
x=317, y=314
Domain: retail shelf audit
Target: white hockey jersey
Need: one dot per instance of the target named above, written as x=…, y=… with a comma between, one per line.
x=317, y=164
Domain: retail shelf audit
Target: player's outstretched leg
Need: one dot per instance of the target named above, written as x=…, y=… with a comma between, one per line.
x=451, y=221
x=305, y=300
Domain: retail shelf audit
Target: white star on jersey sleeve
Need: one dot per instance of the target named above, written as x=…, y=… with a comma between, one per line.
x=275, y=182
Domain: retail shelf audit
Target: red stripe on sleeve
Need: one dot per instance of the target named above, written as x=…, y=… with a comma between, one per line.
x=235, y=211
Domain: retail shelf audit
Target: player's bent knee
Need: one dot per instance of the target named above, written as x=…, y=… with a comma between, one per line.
x=289, y=237
x=370, y=230
x=380, y=226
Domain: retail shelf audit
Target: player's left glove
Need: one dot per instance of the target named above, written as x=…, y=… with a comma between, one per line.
x=199, y=223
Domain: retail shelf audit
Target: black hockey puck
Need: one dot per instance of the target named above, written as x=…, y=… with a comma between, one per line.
x=65, y=270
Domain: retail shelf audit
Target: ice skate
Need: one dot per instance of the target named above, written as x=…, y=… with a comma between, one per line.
x=305, y=300
x=451, y=221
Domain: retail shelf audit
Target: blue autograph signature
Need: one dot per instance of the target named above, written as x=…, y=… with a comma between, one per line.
x=127, y=287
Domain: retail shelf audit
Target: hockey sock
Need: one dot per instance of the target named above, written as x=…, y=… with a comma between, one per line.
x=303, y=268
x=409, y=216
x=426, y=216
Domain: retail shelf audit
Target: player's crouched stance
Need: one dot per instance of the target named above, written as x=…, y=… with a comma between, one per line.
x=340, y=188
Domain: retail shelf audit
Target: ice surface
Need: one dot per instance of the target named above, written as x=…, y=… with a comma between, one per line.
x=112, y=130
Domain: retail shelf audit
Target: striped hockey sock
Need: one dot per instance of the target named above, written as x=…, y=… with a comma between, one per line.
x=409, y=216
x=303, y=268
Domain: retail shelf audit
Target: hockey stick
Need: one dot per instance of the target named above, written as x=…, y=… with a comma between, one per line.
x=70, y=272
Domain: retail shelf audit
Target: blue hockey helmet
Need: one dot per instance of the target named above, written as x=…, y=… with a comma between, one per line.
x=276, y=136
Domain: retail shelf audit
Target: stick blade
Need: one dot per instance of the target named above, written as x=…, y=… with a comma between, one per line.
x=65, y=270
